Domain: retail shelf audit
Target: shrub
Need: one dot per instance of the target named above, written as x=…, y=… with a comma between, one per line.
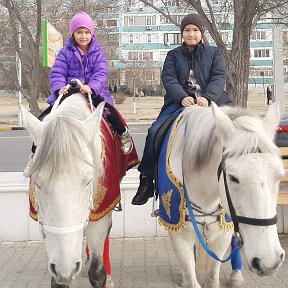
x=119, y=97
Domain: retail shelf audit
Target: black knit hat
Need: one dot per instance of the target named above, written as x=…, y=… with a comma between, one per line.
x=192, y=19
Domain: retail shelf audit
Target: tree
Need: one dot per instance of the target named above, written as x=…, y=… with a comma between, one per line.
x=245, y=14
x=23, y=21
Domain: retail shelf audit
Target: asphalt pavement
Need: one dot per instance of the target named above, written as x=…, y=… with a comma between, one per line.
x=136, y=263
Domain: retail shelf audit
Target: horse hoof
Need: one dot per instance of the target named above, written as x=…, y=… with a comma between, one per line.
x=236, y=278
x=109, y=282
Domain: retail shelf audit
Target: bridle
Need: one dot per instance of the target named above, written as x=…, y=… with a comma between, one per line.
x=241, y=219
x=82, y=226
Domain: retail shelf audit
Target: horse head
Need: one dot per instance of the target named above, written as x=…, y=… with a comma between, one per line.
x=251, y=172
x=66, y=168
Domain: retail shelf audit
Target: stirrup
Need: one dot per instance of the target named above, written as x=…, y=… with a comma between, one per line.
x=126, y=142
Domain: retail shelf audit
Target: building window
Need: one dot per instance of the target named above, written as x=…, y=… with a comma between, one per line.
x=99, y=23
x=131, y=38
x=260, y=72
x=147, y=55
x=149, y=20
x=172, y=39
x=258, y=35
x=164, y=20
x=163, y=55
x=150, y=76
x=261, y=53
x=130, y=21
x=149, y=38
x=112, y=23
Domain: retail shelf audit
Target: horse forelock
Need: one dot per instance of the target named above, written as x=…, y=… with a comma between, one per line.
x=249, y=135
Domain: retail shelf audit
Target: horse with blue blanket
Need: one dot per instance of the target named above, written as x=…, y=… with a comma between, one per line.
x=216, y=161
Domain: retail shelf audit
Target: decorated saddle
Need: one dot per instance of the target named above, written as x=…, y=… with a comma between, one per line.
x=115, y=166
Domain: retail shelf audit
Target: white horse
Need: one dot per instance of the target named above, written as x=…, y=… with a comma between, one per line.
x=66, y=170
x=240, y=147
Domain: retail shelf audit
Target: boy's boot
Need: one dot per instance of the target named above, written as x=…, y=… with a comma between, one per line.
x=126, y=142
x=145, y=190
x=26, y=171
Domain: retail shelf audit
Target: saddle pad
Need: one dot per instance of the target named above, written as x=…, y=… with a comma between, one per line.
x=172, y=202
x=108, y=193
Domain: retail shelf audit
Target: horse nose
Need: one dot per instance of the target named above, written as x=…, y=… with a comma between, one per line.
x=78, y=267
x=65, y=279
x=256, y=264
x=282, y=256
x=52, y=270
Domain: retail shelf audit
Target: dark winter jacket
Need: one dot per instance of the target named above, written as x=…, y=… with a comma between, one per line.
x=208, y=67
x=68, y=66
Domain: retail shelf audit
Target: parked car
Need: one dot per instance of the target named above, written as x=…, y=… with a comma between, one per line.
x=281, y=138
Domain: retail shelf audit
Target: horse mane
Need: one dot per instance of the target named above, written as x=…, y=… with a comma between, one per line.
x=201, y=138
x=64, y=139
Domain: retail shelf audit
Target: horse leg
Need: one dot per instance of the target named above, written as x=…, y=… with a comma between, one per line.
x=208, y=268
x=55, y=285
x=183, y=244
x=96, y=234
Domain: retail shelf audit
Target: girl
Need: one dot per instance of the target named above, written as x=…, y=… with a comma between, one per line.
x=82, y=58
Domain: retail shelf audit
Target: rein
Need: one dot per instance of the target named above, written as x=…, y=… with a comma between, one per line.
x=235, y=248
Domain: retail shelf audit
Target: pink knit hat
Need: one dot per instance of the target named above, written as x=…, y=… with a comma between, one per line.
x=81, y=19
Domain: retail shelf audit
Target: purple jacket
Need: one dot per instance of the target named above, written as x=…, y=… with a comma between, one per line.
x=68, y=66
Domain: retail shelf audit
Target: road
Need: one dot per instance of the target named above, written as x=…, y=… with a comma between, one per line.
x=15, y=147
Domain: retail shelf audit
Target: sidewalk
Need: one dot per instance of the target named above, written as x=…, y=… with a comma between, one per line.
x=147, y=109
x=136, y=263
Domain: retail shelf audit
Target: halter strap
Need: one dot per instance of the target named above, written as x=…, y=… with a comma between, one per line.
x=241, y=219
x=62, y=230
x=71, y=229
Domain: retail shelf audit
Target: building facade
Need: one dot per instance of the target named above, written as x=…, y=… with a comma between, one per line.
x=143, y=36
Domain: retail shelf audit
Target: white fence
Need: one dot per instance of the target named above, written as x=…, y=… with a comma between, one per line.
x=133, y=221
x=16, y=224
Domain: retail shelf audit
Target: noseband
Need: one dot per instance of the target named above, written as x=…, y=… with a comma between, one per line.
x=68, y=230
x=241, y=219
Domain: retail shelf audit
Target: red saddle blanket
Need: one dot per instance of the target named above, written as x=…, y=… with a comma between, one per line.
x=108, y=194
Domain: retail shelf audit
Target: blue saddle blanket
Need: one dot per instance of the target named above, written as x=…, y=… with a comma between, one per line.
x=172, y=202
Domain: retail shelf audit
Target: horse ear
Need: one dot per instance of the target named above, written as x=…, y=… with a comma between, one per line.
x=92, y=122
x=272, y=119
x=223, y=123
x=32, y=124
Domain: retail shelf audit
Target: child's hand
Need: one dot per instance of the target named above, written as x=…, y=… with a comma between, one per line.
x=187, y=101
x=85, y=89
x=63, y=90
x=202, y=102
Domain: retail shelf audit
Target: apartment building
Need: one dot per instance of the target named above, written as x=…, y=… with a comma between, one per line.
x=144, y=36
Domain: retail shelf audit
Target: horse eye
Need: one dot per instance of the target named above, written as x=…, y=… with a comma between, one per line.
x=37, y=185
x=88, y=183
x=233, y=179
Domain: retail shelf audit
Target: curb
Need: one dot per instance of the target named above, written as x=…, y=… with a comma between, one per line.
x=129, y=123
x=12, y=128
